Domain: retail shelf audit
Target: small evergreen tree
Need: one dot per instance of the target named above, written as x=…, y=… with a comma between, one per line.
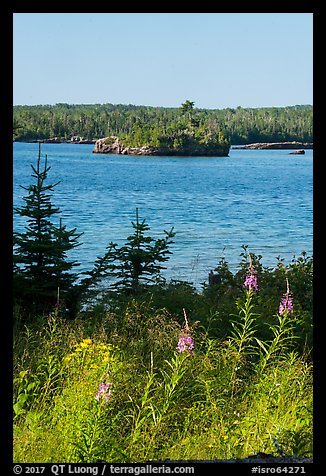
x=40, y=260
x=139, y=262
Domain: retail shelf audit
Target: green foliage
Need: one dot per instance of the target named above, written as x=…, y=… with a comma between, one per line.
x=187, y=106
x=189, y=134
x=138, y=263
x=272, y=285
x=238, y=126
x=234, y=395
x=162, y=405
x=41, y=267
x=283, y=338
x=243, y=330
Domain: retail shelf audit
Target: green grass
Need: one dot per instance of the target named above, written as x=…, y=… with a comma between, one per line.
x=228, y=399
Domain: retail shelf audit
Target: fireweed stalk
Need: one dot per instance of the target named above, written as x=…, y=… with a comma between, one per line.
x=243, y=332
x=172, y=378
x=186, y=343
x=87, y=444
x=251, y=282
x=286, y=304
x=282, y=331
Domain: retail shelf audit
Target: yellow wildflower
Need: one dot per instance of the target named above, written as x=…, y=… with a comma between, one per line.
x=87, y=341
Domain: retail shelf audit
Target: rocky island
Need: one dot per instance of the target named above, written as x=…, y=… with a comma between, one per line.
x=187, y=135
x=188, y=147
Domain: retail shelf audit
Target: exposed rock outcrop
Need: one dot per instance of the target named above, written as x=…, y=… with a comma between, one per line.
x=298, y=152
x=276, y=145
x=60, y=140
x=113, y=145
x=81, y=140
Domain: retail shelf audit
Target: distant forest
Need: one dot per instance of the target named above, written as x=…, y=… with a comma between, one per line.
x=94, y=121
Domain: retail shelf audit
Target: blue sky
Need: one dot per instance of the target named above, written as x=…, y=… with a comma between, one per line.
x=217, y=60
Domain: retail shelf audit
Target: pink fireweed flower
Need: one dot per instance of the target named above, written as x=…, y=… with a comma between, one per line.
x=185, y=344
x=286, y=304
x=103, y=391
x=251, y=281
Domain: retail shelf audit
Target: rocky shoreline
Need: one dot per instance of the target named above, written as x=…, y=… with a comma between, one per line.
x=112, y=145
x=276, y=145
x=102, y=146
x=60, y=140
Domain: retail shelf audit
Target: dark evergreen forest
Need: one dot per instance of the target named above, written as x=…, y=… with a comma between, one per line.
x=94, y=121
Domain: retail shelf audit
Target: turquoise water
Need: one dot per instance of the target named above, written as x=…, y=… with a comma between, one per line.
x=260, y=198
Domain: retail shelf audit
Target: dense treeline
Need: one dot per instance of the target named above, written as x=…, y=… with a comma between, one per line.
x=93, y=121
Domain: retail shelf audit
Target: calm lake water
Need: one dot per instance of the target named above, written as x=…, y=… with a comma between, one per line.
x=260, y=198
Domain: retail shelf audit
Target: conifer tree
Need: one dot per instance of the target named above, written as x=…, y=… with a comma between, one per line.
x=41, y=267
x=139, y=262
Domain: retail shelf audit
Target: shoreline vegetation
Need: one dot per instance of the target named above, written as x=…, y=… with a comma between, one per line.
x=185, y=127
x=190, y=135
x=229, y=369
x=254, y=146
